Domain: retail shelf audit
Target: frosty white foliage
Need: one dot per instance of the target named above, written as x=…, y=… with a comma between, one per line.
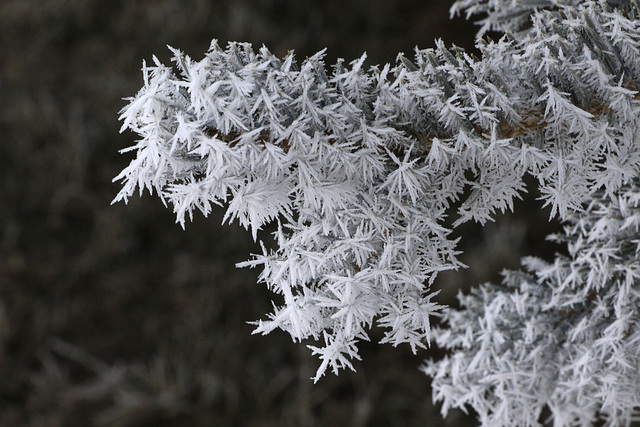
x=514, y=15
x=565, y=335
x=358, y=167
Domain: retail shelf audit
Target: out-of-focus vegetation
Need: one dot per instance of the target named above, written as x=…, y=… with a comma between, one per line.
x=114, y=316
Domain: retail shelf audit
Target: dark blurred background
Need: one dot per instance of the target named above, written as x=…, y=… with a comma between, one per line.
x=114, y=316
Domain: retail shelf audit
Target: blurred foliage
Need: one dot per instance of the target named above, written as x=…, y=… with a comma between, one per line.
x=114, y=316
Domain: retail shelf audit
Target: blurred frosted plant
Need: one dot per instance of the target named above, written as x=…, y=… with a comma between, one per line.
x=514, y=16
x=358, y=168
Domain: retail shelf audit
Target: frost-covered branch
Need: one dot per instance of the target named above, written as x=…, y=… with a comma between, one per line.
x=565, y=335
x=359, y=166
